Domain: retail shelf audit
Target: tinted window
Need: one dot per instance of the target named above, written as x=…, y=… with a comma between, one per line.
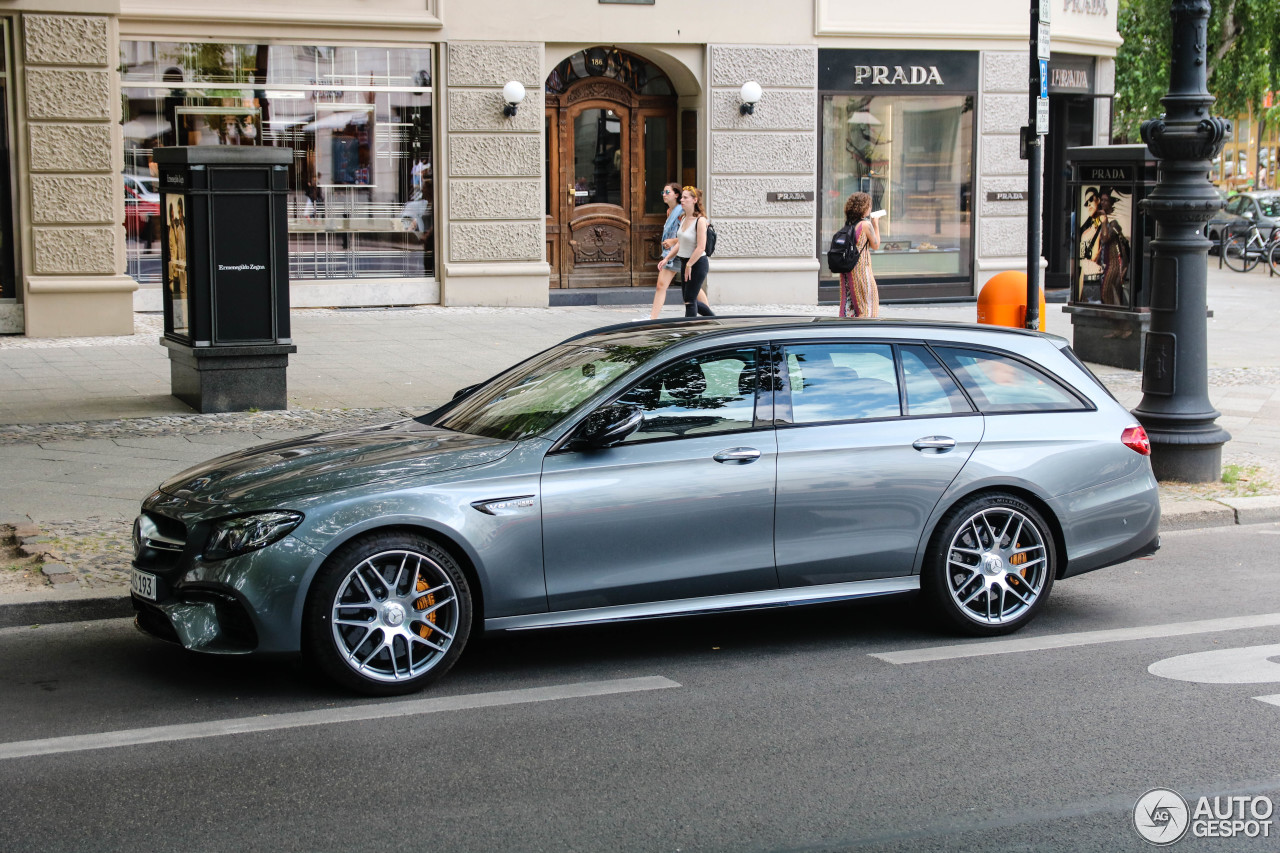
x=1270, y=205
x=1236, y=205
x=998, y=383
x=838, y=382
x=709, y=393
x=930, y=389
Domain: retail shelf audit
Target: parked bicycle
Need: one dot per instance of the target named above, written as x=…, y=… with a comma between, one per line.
x=1244, y=251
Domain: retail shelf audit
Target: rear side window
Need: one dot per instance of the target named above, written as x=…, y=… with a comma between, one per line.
x=840, y=382
x=930, y=389
x=998, y=383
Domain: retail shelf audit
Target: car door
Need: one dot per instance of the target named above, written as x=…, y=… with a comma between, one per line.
x=858, y=478
x=681, y=508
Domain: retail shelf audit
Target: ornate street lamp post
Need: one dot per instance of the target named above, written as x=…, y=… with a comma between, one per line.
x=1186, y=442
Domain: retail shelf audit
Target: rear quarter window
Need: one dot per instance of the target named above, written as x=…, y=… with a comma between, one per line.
x=998, y=383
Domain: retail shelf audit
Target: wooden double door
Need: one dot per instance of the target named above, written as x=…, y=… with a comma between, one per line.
x=609, y=152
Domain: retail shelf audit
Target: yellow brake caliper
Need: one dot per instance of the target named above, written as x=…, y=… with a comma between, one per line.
x=1018, y=560
x=424, y=630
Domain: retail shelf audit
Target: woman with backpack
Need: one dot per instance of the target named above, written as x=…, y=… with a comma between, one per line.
x=691, y=249
x=667, y=269
x=859, y=295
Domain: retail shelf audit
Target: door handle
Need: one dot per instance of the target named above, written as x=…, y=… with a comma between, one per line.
x=940, y=443
x=740, y=455
x=571, y=192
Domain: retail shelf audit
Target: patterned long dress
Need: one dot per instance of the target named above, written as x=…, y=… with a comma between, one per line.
x=859, y=296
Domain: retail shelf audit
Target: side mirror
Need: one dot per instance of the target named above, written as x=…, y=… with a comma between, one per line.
x=608, y=426
x=1248, y=214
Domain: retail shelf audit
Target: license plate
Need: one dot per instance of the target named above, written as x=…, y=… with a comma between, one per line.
x=143, y=585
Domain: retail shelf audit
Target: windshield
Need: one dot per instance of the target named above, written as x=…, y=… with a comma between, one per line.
x=536, y=395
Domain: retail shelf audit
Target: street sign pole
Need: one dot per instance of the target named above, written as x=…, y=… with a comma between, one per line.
x=1033, y=137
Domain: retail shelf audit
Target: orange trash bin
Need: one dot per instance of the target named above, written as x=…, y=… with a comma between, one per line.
x=1003, y=301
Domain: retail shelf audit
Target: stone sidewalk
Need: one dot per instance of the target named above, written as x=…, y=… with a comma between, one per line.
x=88, y=428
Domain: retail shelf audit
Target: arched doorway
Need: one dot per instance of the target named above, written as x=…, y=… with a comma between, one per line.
x=611, y=144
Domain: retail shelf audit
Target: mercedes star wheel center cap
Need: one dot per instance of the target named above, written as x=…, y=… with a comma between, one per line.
x=992, y=564
x=393, y=614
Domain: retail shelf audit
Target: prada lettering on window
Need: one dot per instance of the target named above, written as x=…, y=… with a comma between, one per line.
x=897, y=75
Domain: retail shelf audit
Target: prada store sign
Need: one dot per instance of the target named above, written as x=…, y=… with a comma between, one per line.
x=1071, y=75
x=897, y=71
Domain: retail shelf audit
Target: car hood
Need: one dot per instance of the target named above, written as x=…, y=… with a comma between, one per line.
x=387, y=453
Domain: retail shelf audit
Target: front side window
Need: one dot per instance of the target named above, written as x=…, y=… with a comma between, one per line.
x=709, y=393
x=998, y=383
x=840, y=382
x=539, y=393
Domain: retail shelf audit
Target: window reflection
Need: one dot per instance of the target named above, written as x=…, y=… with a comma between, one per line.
x=709, y=393
x=359, y=121
x=597, y=157
x=914, y=156
x=837, y=382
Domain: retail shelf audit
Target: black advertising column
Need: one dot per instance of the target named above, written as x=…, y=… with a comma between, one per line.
x=225, y=279
x=1186, y=443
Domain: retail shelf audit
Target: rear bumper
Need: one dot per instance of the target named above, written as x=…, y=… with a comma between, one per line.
x=1111, y=523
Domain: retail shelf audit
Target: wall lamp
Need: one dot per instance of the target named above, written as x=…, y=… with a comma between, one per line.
x=512, y=95
x=750, y=94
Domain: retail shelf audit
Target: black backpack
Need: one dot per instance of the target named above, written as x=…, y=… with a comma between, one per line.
x=842, y=256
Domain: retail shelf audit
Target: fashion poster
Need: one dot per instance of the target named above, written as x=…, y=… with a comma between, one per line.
x=175, y=273
x=1104, y=253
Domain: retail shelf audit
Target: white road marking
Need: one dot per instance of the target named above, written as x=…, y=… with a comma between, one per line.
x=1270, y=700
x=1248, y=665
x=242, y=725
x=980, y=648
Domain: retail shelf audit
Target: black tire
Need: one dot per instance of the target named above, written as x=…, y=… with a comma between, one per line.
x=387, y=614
x=990, y=566
x=1237, y=255
x=1273, y=258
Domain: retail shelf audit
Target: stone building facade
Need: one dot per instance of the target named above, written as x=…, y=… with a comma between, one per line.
x=413, y=183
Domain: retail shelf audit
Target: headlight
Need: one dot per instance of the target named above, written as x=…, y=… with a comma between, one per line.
x=246, y=533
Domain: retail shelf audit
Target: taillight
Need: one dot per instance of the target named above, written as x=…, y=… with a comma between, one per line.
x=1135, y=438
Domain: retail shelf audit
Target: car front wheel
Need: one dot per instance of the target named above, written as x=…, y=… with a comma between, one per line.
x=387, y=614
x=990, y=566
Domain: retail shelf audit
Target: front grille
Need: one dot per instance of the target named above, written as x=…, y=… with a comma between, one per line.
x=162, y=533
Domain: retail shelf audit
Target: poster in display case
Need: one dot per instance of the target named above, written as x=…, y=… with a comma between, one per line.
x=175, y=270
x=344, y=142
x=1104, y=261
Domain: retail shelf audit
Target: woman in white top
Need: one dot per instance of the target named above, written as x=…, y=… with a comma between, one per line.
x=691, y=249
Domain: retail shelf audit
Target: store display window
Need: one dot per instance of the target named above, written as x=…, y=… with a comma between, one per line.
x=359, y=121
x=914, y=156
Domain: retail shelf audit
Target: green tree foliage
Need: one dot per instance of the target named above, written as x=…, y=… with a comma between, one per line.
x=1243, y=53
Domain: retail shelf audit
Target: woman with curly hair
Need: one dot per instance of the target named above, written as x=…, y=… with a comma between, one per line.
x=859, y=296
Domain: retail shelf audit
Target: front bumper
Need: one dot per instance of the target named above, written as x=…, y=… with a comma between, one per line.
x=249, y=603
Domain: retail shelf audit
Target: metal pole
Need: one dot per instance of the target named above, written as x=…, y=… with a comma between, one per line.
x=1035, y=162
x=1186, y=443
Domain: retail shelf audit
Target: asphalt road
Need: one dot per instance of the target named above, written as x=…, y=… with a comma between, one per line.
x=776, y=730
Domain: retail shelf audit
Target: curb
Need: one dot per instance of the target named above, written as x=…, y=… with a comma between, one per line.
x=39, y=608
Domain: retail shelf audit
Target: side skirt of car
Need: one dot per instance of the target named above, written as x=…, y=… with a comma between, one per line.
x=708, y=604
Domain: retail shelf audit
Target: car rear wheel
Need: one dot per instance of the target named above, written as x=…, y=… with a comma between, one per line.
x=387, y=614
x=990, y=566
